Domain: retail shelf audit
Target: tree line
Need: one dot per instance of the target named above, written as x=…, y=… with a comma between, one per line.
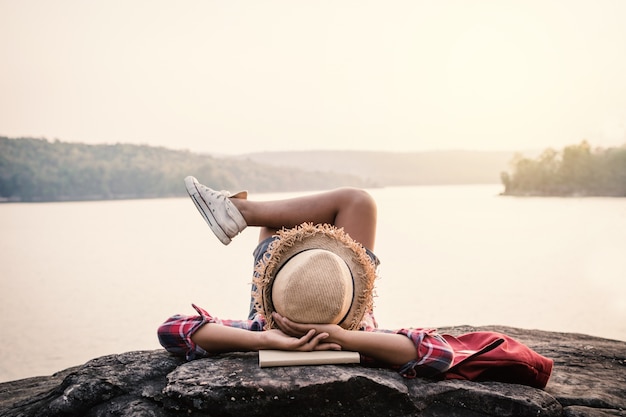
x=577, y=170
x=33, y=169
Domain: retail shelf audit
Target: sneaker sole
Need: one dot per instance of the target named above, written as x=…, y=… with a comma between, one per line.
x=204, y=210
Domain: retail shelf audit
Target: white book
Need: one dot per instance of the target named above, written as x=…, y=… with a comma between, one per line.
x=269, y=358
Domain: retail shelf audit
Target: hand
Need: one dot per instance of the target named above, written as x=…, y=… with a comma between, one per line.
x=277, y=339
x=291, y=328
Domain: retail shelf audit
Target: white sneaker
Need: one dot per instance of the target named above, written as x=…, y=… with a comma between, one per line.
x=218, y=211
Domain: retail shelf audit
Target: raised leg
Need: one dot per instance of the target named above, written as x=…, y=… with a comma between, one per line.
x=352, y=209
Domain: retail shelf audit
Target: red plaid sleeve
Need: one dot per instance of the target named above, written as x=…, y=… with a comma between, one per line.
x=175, y=334
x=434, y=354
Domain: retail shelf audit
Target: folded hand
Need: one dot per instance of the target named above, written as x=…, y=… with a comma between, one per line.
x=291, y=328
x=277, y=339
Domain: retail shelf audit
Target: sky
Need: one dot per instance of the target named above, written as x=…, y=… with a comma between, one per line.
x=232, y=77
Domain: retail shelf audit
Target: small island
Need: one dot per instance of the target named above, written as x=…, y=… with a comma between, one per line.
x=577, y=171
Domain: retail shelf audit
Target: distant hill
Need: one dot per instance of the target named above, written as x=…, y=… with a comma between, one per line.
x=395, y=168
x=39, y=170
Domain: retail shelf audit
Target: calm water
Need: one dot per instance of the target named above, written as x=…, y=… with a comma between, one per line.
x=80, y=280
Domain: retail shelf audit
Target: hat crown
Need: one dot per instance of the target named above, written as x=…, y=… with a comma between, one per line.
x=313, y=286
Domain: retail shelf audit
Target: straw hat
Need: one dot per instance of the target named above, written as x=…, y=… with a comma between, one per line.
x=315, y=274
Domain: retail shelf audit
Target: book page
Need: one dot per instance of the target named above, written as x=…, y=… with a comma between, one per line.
x=269, y=358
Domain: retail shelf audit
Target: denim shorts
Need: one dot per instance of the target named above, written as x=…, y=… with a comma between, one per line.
x=261, y=251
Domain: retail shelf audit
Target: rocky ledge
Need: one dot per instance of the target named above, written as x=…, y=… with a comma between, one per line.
x=589, y=379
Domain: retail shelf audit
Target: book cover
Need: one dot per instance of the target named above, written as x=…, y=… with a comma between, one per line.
x=269, y=358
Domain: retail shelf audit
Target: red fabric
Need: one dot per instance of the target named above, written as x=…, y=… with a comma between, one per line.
x=491, y=356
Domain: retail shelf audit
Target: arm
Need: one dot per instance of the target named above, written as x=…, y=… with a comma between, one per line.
x=216, y=338
x=390, y=348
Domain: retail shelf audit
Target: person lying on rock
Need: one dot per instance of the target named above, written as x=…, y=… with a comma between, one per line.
x=313, y=286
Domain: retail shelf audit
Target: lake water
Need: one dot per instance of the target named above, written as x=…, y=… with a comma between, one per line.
x=86, y=279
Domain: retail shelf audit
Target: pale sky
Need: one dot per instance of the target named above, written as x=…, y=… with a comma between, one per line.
x=245, y=76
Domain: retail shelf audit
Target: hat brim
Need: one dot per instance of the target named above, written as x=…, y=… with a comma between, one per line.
x=320, y=236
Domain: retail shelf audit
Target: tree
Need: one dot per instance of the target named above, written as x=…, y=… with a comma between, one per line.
x=577, y=170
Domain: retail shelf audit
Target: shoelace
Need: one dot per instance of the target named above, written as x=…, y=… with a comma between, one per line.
x=218, y=194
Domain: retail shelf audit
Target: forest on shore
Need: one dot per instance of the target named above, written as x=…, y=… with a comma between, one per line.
x=35, y=170
x=38, y=170
x=577, y=170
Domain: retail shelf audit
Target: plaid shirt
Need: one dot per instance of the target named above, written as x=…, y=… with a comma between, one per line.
x=434, y=354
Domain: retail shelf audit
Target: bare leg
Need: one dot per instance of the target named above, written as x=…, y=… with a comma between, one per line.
x=352, y=209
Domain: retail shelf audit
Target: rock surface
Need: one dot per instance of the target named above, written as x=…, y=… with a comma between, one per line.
x=589, y=379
